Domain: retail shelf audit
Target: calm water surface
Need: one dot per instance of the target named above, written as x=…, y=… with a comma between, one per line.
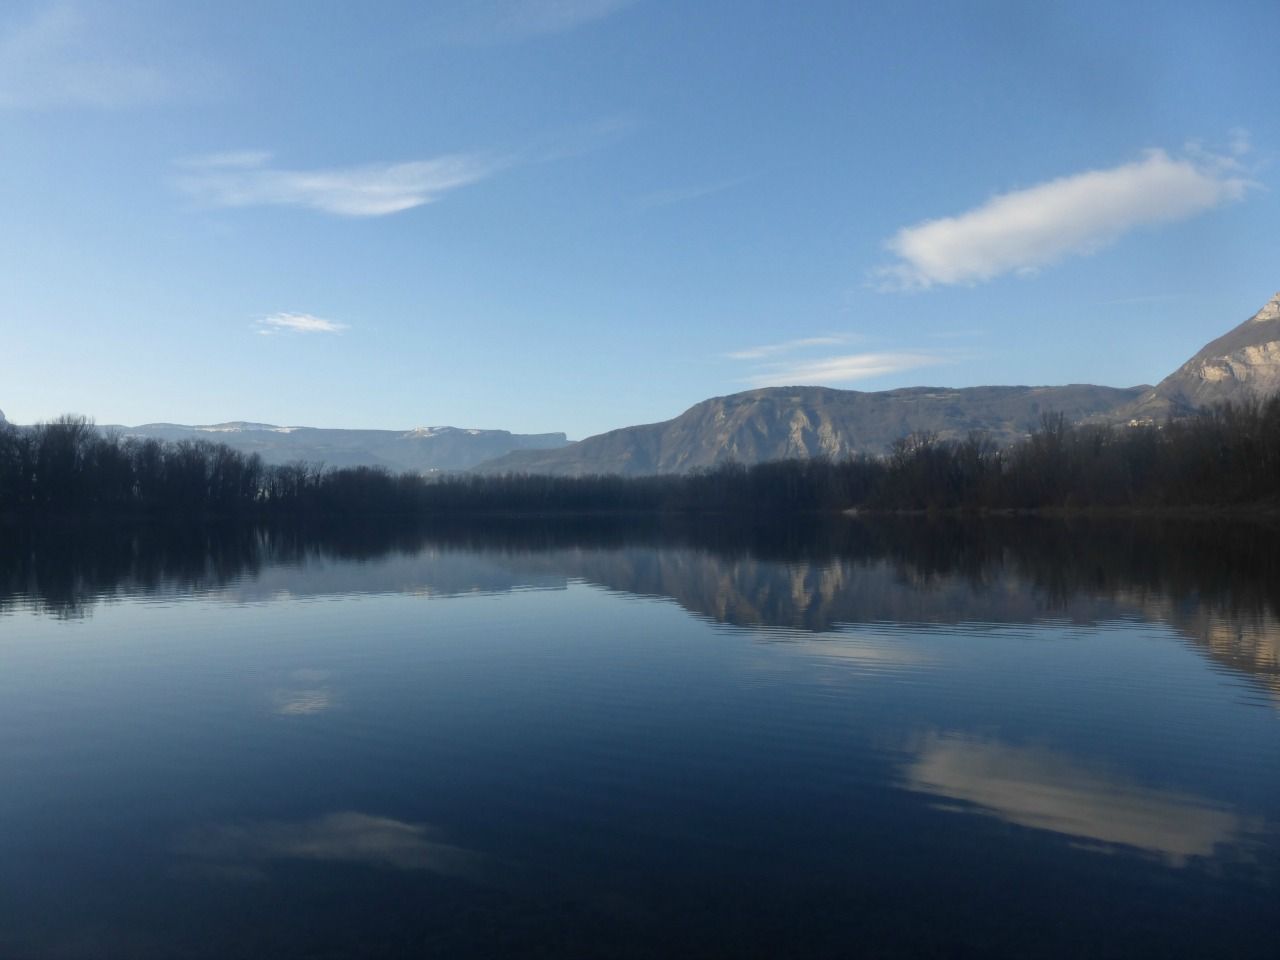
x=922, y=740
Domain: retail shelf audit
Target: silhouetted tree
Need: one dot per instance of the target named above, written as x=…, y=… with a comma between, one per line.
x=1227, y=456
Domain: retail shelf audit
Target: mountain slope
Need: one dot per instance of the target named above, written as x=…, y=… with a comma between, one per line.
x=423, y=449
x=1245, y=362
x=779, y=422
x=775, y=423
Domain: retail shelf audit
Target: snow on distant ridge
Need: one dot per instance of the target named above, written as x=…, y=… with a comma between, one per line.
x=243, y=427
x=426, y=433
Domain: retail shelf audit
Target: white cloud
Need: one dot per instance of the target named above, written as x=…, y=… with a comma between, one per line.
x=843, y=369
x=1023, y=230
x=298, y=323
x=244, y=179
x=60, y=58
x=772, y=349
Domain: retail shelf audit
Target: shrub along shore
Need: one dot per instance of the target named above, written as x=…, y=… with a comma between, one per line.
x=1226, y=459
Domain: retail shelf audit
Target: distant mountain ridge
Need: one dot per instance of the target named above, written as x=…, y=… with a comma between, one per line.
x=418, y=450
x=775, y=423
x=783, y=422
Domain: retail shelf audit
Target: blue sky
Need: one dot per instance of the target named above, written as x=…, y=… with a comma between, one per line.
x=581, y=214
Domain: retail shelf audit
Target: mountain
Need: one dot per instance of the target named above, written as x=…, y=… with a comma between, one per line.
x=776, y=423
x=1244, y=362
x=779, y=422
x=423, y=449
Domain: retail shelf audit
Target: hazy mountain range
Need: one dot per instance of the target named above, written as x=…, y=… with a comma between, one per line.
x=774, y=423
x=420, y=450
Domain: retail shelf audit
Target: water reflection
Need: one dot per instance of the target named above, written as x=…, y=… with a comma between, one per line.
x=240, y=849
x=1034, y=786
x=308, y=694
x=303, y=703
x=587, y=739
x=1242, y=637
x=1217, y=585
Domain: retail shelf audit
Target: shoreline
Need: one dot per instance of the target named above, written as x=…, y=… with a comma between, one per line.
x=1266, y=512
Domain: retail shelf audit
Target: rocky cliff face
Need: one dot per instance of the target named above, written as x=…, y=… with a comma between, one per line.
x=1243, y=363
x=783, y=422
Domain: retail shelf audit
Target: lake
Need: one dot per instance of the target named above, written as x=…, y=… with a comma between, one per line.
x=584, y=739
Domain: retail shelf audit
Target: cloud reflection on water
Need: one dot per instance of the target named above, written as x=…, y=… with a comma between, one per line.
x=1213, y=584
x=1047, y=790
x=305, y=701
x=342, y=837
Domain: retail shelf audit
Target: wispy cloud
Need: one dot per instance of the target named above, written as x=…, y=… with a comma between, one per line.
x=1023, y=230
x=828, y=370
x=246, y=179
x=298, y=323
x=665, y=198
x=847, y=368
x=788, y=346
x=61, y=58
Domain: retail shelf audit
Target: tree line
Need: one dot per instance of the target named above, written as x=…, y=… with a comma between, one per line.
x=1232, y=567
x=1228, y=456
x=1224, y=456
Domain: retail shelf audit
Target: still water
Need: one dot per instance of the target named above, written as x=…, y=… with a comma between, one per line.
x=551, y=740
